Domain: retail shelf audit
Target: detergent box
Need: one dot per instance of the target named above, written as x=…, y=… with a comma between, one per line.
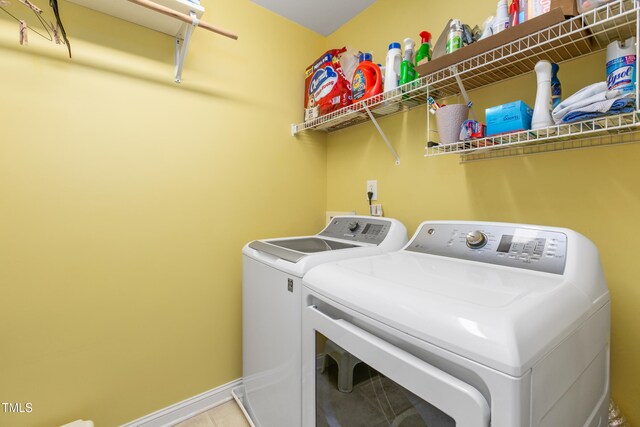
x=326, y=87
x=539, y=7
x=511, y=117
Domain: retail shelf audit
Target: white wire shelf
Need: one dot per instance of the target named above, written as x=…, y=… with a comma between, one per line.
x=570, y=39
x=608, y=130
x=394, y=101
x=573, y=38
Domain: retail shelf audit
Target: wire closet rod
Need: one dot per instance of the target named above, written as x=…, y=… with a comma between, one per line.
x=182, y=17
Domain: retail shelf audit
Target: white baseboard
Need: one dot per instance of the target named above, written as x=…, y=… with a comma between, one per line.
x=188, y=408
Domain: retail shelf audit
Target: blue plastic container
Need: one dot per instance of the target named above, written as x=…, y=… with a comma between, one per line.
x=511, y=117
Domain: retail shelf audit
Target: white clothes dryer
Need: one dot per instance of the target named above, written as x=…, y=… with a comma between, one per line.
x=470, y=325
x=272, y=272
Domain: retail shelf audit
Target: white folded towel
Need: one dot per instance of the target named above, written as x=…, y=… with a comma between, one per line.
x=587, y=96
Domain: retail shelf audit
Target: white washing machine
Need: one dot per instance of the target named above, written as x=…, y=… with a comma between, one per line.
x=470, y=325
x=272, y=272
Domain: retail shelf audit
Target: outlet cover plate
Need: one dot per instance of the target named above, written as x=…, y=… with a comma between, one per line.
x=372, y=185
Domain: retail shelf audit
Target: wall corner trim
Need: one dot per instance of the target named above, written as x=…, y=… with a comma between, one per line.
x=188, y=408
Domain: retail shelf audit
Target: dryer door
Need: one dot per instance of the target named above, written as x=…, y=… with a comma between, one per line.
x=376, y=383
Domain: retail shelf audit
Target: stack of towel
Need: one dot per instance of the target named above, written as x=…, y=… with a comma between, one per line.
x=591, y=102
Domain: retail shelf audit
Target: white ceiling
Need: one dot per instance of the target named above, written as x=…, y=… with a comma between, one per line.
x=321, y=16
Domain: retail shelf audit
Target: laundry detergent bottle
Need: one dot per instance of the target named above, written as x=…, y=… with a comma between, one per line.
x=392, y=67
x=367, y=79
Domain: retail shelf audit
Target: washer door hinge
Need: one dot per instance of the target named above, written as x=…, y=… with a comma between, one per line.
x=290, y=285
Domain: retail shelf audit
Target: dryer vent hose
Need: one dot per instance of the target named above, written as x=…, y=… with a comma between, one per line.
x=616, y=419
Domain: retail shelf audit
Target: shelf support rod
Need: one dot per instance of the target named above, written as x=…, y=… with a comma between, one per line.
x=182, y=17
x=384, y=137
x=464, y=92
x=182, y=45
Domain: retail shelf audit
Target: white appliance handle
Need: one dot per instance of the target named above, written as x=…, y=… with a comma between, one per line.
x=457, y=399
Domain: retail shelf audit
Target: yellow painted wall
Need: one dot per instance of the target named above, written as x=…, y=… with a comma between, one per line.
x=593, y=191
x=125, y=201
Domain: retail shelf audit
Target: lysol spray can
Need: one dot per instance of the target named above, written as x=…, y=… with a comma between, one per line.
x=621, y=66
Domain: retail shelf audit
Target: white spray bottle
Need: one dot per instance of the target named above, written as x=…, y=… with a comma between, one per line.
x=542, y=110
x=409, y=48
x=407, y=67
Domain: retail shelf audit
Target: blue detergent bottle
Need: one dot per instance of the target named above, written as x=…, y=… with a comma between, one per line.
x=556, y=87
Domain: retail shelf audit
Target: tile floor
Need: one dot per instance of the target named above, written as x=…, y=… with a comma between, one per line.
x=226, y=415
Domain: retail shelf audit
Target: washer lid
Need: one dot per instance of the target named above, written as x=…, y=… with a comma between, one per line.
x=295, y=249
x=343, y=238
x=505, y=318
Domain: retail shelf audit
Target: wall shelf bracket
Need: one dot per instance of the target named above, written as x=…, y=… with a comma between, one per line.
x=384, y=137
x=182, y=45
x=463, y=91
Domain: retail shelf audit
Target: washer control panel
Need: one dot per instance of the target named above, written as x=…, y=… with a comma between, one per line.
x=521, y=247
x=365, y=230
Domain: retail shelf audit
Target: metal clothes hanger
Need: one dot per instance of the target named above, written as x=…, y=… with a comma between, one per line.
x=54, y=5
x=56, y=30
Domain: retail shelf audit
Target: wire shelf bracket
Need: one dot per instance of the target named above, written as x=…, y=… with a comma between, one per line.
x=182, y=45
x=176, y=18
x=382, y=134
x=455, y=72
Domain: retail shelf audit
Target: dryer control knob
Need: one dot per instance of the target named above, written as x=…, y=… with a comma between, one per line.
x=476, y=239
x=353, y=226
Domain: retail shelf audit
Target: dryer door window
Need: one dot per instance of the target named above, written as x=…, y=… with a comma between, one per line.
x=351, y=393
x=363, y=380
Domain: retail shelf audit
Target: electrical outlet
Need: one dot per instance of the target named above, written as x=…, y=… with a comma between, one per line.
x=372, y=185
